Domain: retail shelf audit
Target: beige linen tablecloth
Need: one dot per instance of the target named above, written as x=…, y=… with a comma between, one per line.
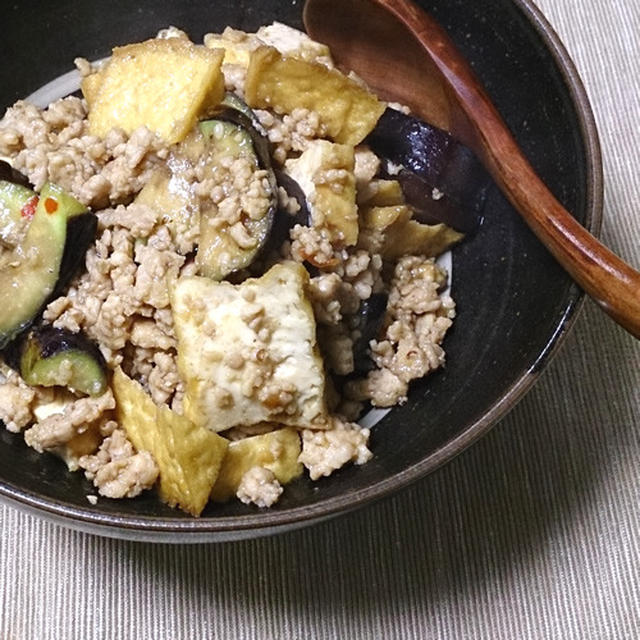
x=532, y=533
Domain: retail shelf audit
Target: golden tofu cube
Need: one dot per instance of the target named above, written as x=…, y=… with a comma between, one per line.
x=160, y=84
x=381, y=218
x=348, y=111
x=189, y=457
x=248, y=353
x=277, y=451
x=404, y=236
x=381, y=193
x=325, y=174
x=235, y=51
x=415, y=238
x=213, y=98
x=90, y=86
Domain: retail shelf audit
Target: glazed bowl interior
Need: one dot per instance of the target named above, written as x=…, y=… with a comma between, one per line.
x=514, y=302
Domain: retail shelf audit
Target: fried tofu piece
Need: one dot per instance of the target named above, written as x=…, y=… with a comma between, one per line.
x=248, y=353
x=238, y=45
x=383, y=217
x=90, y=87
x=292, y=42
x=404, y=236
x=236, y=50
x=160, y=84
x=189, y=457
x=415, y=238
x=325, y=174
x=381, y=193
x=277, y=451
x=347, y=110
x=213, y=98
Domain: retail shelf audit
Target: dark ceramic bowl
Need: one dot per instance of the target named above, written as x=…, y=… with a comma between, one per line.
x=515, y=304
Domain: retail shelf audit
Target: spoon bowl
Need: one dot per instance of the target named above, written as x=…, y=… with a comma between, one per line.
x=405, y=56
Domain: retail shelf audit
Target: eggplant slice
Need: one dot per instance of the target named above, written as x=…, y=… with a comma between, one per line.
x=43, y=262
x=232, y=132
x=56, y=357
x=441, y=178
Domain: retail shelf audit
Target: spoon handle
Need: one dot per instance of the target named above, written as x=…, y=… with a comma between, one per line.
x=606, y=278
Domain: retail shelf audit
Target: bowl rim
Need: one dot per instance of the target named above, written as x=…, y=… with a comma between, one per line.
x=211, y=529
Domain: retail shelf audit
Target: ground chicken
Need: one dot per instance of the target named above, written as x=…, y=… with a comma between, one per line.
x=16, y=400
x=367, y=165
x=54, y=145
x=291, y=132
x=313, y=245
x=325, y=451
x=411, y=346
x=260, y=487
x=60, y=428
x=117, y=471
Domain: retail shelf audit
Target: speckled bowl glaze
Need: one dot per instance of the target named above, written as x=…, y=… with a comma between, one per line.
x=514, y=303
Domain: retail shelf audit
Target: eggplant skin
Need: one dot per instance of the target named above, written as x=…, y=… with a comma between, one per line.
x=53, y=341
x=236, y=114
x=368, y=321
x=283, y=221
x=44, y=350
x=81, y=232
x=432, y=159
x=61, y=238
x=430, y=210
x=8, y=173
x=236, y=111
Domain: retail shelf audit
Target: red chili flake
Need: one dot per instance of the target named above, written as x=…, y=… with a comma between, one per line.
x=29, y=208
x=51, y=205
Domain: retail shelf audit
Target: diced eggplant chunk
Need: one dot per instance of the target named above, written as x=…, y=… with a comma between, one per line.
x=233, y=133
x=368, y=322
x=228, y=138
x=54, y=245
x=56, y=357
x=243, y=117
x=441, y=178
x=432, y=206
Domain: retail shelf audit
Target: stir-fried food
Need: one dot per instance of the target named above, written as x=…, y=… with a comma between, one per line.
x=207, y=275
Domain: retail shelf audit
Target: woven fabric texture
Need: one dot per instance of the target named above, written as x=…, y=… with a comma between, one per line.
x=533, y=533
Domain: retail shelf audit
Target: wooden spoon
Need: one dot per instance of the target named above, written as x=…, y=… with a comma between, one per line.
x=404, y=55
